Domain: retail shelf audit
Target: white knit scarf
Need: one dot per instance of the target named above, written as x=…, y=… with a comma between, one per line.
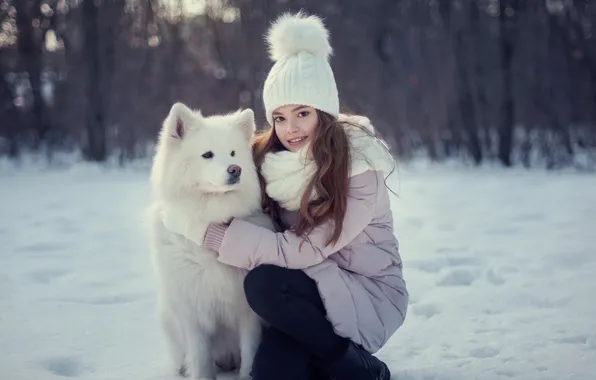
x=288, y=173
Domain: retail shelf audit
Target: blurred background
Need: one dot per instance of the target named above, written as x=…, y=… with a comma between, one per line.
x=506, y=81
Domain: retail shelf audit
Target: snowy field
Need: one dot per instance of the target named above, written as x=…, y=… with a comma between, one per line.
x=500, y=265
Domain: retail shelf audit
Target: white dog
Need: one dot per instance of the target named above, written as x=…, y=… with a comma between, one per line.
x=203, y=172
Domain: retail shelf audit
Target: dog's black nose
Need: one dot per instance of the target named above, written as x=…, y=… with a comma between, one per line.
x=234, y=170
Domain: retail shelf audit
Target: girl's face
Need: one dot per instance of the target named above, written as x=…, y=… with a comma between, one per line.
x=295, y=125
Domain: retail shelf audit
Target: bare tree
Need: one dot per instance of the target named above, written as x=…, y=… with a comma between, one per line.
x=96, y=149
x=507, y=13
x=30, y=47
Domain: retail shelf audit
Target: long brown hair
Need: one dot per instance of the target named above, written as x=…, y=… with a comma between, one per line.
x=330, y=149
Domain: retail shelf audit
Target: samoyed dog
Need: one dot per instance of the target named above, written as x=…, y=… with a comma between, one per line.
x=203, y=172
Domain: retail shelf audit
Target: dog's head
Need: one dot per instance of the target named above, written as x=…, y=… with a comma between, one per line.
x=208, y=155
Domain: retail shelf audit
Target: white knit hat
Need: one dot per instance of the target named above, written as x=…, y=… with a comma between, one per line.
x=299, y=46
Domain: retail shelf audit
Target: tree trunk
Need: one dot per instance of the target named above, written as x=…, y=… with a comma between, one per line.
x=29, y=44
x=9, y=116
x=465, y=99
x=506, y=114
x=94, y=117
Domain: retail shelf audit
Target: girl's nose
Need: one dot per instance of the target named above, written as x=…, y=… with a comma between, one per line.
x=292, y=127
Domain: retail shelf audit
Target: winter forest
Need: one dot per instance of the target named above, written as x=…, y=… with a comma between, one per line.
x=509, y=81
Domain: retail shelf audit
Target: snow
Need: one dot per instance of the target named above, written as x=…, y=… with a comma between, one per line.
x=501, y=275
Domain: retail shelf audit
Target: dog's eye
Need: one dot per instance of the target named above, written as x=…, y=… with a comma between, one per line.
x=233, y=153
x=208, y=155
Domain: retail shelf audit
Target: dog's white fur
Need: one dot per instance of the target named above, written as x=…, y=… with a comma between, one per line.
x=204, y=313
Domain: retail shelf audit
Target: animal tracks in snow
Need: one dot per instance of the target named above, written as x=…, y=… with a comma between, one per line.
x=41, y=249
x=437, y=265
x=457, y=277
x=64, y=366
x=484, y=352
x=581, y=339
x=462, y=271
x=494, y=278
x=45, y=276
x=115, y=299
x=426, y=310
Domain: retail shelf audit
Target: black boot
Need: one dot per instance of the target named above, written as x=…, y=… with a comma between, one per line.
x=358, y=364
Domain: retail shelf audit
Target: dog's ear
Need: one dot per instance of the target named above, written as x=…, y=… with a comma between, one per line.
x=246, y=121
x=179, y=120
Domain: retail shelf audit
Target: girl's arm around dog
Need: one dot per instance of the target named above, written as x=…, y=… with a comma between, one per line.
x=246, y=245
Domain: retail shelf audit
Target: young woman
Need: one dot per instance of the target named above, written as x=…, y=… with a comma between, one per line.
x=329, y=284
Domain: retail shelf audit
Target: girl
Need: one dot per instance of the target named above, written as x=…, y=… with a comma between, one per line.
x=329, y=285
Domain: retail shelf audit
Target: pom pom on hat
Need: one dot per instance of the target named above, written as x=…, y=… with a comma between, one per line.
x=291, y=34
x=301, y=73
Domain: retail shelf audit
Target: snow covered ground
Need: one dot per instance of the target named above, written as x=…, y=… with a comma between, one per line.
x=500, y=265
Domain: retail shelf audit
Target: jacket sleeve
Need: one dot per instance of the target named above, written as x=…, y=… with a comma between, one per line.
x=246, y=245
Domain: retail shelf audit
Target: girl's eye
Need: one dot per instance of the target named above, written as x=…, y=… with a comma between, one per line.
x=278, y=119
x=208, y=155
x=303, y=114
x=233, y=153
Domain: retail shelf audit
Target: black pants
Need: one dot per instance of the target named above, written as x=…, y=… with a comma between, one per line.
x=299, y=338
